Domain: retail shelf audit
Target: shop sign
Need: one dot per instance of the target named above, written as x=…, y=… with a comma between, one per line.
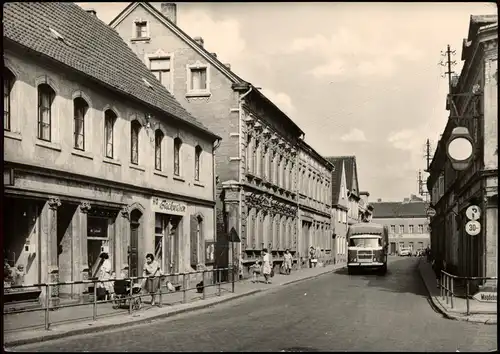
x=166, y=206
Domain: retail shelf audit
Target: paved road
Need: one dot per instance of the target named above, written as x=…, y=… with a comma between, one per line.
x=335, y=312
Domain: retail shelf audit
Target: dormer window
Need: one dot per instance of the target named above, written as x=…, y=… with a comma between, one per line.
x=141, y=29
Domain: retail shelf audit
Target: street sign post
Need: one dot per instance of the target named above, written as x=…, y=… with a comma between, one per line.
x=473, y=212
x=473, y=228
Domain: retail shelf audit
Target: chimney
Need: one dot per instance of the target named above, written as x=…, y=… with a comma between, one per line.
x=379, y=200
x=199, y=41
x=214, y=54
x=227, y=65
x=92, y=12
x=169, y=10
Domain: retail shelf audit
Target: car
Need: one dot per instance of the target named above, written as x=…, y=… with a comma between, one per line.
x=405, y=252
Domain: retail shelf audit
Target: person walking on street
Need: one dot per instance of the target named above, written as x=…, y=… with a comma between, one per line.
x=288, y=261
x=312, y=257
x=105, y=276
x=266, y=266
x=151, y=269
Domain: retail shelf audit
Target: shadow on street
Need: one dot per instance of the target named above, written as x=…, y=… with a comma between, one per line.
x=400, y=277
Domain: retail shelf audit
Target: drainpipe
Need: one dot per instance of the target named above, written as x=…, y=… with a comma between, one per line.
x=214, y=186
x=240, y=132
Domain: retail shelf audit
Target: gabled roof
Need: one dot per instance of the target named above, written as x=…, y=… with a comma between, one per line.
x=65, y=33
x=351, y=173
x=198, y=48
x=338, y=170
x=399, y=210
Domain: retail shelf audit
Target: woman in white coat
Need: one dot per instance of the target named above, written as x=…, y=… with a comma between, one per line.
x=266, y=265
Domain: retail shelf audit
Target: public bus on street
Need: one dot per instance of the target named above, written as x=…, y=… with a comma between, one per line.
x=368, y=246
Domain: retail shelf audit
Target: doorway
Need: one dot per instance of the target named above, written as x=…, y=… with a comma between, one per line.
x=393, y=247
x=133, y=252
x=172, y=244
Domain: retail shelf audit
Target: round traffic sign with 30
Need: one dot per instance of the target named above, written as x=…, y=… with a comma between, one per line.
x=473, y=228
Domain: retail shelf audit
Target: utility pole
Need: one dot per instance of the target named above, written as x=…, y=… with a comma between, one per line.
x=428, y=154
x=448, y=65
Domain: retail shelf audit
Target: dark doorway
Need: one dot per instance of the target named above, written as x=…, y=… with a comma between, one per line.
x=393, y=247
x=133, y=254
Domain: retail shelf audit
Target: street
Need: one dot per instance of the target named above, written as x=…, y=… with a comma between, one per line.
x=335, y=312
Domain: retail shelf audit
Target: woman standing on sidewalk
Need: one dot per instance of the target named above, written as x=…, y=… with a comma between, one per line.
x=266, y=266
x=151, y=269
x=287, y=260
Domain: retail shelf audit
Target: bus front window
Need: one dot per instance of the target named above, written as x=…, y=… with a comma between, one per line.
x=368, y=242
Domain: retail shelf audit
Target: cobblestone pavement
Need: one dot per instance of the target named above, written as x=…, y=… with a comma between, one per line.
x=335, y=312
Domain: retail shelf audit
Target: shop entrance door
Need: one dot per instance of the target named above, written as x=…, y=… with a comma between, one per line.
x=133, y=252
x=393, y=247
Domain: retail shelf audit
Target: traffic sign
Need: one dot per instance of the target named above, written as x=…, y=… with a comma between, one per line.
x=473, y=228
x=473, y=212
x=431, y=212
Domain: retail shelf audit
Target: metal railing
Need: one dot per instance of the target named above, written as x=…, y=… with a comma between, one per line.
x=447, y=286
x=47, y=298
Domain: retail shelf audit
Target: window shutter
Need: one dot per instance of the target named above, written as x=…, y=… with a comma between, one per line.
x=194, y=241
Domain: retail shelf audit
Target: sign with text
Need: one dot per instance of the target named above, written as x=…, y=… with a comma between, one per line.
x=167, y=206
x=473, y=228
x=473, y=212
x=430, y=212
x=486, y=296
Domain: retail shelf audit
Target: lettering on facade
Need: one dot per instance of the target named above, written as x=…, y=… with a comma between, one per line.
x=166, y=206
x=486, y=296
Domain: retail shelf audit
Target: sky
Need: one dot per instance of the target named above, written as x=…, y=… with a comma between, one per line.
x=359, y=79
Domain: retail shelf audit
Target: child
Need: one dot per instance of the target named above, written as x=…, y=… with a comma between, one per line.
x=255, y=270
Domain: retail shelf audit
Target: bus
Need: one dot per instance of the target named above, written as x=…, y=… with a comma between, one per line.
x=367, y=245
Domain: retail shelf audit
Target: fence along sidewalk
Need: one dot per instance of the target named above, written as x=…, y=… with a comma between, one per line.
x=49, y=314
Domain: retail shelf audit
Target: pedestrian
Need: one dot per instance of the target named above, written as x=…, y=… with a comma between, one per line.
x=104, y=277
x=312, y=257
x=266, y=265
x=255, y=270
x=240, y=266
x=287, y=261
x=151, y=270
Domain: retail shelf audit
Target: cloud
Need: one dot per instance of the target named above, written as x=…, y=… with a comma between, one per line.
x=280, y=99
x=222, y=37
x=355, y=135
x=348, y=53
x=411, y=141
x=402, y=139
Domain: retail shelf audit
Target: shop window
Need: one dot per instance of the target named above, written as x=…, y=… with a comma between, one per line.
x=46, y=97
x=158, y=144
x=161, y=227
x=196, y=239
x=109, y=123
x=135, y=128
x=197, y=157
x=80, y=108
x=97, y=236
x=8, y=83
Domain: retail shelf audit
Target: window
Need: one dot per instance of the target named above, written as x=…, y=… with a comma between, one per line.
x=393, y=229
x=198, y=79
x=158, y=143
x=135, y=128
x=401, y=229
x=197, y=156
x=80, y=108
x=8, y=82
x=45, y=99
x=109, y=123
x=160, y=67
x=177, y=152
x=420, y=229
x=410, y=229
x=249, y=152
x=141, y=29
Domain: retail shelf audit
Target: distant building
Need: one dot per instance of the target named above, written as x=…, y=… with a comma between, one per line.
x=98, y=155
x=407, y=222
x=315, y=183
x=347, y=202
x=452, y=192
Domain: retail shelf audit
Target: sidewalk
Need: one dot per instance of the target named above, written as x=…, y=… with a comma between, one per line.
x=28, y=327
x=480, y=312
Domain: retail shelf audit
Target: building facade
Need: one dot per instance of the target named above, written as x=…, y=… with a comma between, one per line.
x=345, y=201
x=452, y=192
x=257, y=161
x=407, y=222
x=315, y=203
x=96, y=162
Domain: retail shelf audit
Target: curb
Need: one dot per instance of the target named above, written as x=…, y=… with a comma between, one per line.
x=436, y=305
x=104, y=327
